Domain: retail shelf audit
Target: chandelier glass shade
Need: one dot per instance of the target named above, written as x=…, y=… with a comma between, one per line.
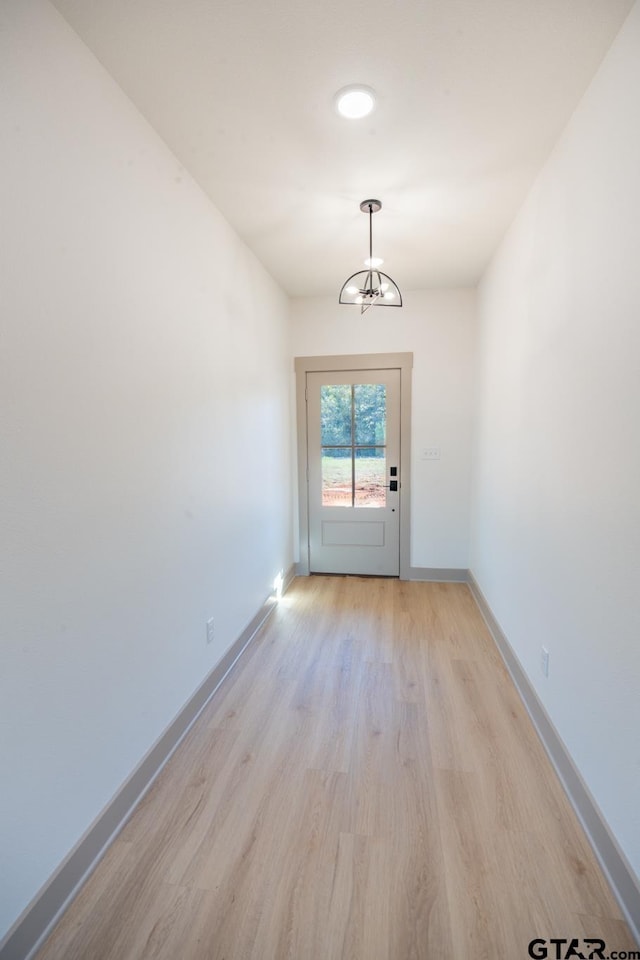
x=368, y=287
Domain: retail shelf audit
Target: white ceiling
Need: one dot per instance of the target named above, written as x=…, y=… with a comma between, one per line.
x=472, y=96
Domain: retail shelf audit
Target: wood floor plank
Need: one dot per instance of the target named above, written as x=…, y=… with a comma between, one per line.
x=365, y=785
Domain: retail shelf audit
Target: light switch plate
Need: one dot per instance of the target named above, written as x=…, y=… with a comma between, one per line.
x=431, y=453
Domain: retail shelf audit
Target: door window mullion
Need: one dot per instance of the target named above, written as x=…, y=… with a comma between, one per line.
x=353, y=449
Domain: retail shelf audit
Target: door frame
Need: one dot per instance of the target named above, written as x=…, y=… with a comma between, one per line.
x=367, y=361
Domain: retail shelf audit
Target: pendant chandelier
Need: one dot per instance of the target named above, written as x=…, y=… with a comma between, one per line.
x=371, y=286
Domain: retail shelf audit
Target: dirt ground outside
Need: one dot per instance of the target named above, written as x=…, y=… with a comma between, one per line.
x=370, y=490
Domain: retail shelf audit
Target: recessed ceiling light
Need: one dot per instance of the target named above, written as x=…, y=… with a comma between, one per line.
x=355, y=101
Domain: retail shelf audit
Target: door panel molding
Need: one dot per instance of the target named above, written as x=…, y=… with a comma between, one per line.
x=361, y=362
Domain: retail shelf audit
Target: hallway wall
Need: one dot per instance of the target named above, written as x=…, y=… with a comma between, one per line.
x=144, y=411
x=438, y=326
x=556, y=518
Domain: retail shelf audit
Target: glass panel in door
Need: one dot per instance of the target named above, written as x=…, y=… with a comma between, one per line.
x=353, y=444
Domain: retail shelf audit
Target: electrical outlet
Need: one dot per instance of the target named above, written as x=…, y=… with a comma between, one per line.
x=210, y=630
x=431, y=453
x=544, y=661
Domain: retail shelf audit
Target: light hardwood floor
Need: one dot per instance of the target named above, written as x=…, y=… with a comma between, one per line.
x=366, y=785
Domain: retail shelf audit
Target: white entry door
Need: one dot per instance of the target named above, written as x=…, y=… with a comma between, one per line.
x=353, y=467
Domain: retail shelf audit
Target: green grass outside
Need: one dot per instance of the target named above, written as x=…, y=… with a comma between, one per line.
x=336, y=471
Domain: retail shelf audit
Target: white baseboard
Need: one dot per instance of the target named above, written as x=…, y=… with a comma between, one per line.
x=439, y=574
x=431, y=574
x=622, y=878
x=30, y=929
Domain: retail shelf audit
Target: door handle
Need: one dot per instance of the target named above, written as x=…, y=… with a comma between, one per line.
x=392, y=486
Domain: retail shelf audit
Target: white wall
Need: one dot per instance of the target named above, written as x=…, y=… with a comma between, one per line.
x=556, y=528
x=438, y=326
x=144, y=412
